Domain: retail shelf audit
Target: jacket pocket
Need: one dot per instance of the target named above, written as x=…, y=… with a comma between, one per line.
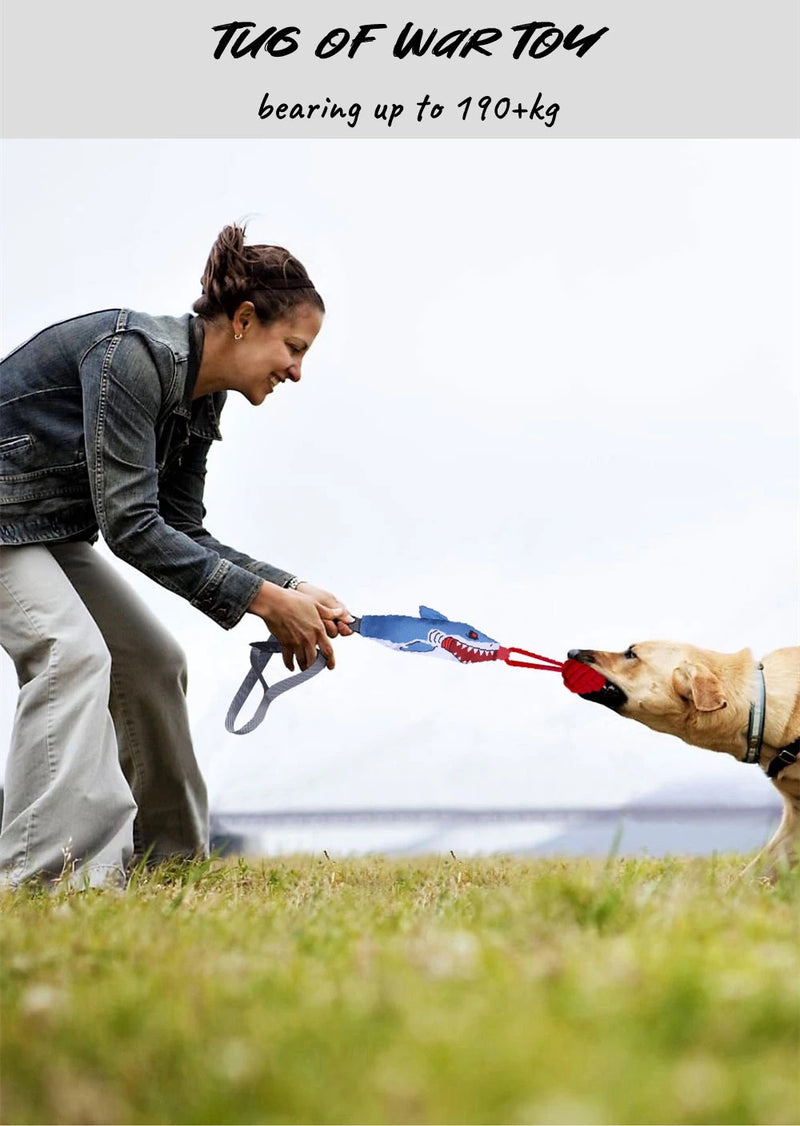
x=14, y=445
x=29, y=472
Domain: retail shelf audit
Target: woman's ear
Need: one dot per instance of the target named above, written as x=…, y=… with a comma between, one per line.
x=243, y=316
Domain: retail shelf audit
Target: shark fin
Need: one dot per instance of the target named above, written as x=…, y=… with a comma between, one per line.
x=426, y=612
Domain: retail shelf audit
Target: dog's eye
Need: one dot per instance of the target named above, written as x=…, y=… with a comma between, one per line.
x=629, y=654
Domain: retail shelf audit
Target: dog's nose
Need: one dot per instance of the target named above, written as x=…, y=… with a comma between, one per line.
x=584, y=655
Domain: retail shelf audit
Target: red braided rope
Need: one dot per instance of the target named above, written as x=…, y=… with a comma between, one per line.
x=577, y=677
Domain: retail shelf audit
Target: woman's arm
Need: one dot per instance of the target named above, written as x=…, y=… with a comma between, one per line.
x=180, y=501
x=181, y=504
x=122, y=395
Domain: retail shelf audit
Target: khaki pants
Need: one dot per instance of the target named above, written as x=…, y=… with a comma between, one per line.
x=101, y=765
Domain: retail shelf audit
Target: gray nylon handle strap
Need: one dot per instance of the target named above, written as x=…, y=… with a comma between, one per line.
x=260, y=653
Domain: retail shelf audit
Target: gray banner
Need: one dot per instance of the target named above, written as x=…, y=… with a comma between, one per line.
x=357, y=68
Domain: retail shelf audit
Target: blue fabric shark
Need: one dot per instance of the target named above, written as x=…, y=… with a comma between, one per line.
x=431, y=632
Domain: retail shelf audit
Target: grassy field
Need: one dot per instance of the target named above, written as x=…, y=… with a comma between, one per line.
x=307, y=990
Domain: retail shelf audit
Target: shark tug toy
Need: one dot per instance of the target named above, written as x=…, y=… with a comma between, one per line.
x=431, y=632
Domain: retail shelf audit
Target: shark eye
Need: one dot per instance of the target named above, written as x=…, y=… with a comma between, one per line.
x=629, y=654
x=472, y=635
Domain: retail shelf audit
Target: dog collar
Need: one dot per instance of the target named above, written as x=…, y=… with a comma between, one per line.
x=755, y=726
x=786, y=756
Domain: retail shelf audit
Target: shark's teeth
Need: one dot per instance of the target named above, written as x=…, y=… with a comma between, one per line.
x=466, y=653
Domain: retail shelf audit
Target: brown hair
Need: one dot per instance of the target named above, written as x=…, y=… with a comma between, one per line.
x=269, y=276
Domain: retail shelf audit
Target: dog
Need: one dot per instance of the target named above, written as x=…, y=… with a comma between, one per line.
x=724, y=702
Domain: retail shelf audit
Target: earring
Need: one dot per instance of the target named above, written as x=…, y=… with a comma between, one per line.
x=237, y=336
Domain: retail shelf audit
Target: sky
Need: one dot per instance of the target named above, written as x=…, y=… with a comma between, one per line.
x=556, y=396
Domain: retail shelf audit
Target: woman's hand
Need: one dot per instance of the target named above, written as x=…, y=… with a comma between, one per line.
x=301, y=621
x=329, y=601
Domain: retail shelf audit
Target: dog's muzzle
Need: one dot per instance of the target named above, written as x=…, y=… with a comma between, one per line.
x=610, y=695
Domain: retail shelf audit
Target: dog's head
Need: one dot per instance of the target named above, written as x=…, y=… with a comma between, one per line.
x=666, y=685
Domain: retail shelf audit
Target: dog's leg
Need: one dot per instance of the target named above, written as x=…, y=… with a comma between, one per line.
x=783, y=848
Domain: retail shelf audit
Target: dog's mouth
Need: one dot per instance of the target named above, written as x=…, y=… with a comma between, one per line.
x=586, y=681
x=610, y=695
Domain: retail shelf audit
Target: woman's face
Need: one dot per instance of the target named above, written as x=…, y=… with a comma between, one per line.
x=268, y=355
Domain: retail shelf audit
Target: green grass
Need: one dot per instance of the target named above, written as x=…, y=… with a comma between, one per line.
x=434, y=991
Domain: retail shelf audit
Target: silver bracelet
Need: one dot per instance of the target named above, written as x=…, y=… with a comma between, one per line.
x=293, y=584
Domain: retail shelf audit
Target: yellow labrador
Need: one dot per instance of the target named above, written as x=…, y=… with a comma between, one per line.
x=721, y=701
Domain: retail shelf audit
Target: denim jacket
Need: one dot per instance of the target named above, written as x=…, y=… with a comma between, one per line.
x=99, y=431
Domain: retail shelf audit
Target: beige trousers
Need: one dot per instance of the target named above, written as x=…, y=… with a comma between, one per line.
x=101, y=765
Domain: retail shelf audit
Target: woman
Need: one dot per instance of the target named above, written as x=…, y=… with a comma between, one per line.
x=105, y=424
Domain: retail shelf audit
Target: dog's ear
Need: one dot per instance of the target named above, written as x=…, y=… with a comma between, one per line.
x=699, y=684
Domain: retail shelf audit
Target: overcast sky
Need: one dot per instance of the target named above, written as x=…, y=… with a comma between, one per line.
x=556, y=395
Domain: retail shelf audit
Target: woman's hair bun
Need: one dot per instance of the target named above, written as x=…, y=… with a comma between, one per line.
x=269, y=276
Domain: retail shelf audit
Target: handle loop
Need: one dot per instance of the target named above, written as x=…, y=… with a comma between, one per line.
x=260, y=654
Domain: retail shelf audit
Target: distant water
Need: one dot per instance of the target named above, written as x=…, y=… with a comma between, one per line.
x=635, y=831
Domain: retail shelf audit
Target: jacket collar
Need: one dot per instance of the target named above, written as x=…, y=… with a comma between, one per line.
x=203, y=413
